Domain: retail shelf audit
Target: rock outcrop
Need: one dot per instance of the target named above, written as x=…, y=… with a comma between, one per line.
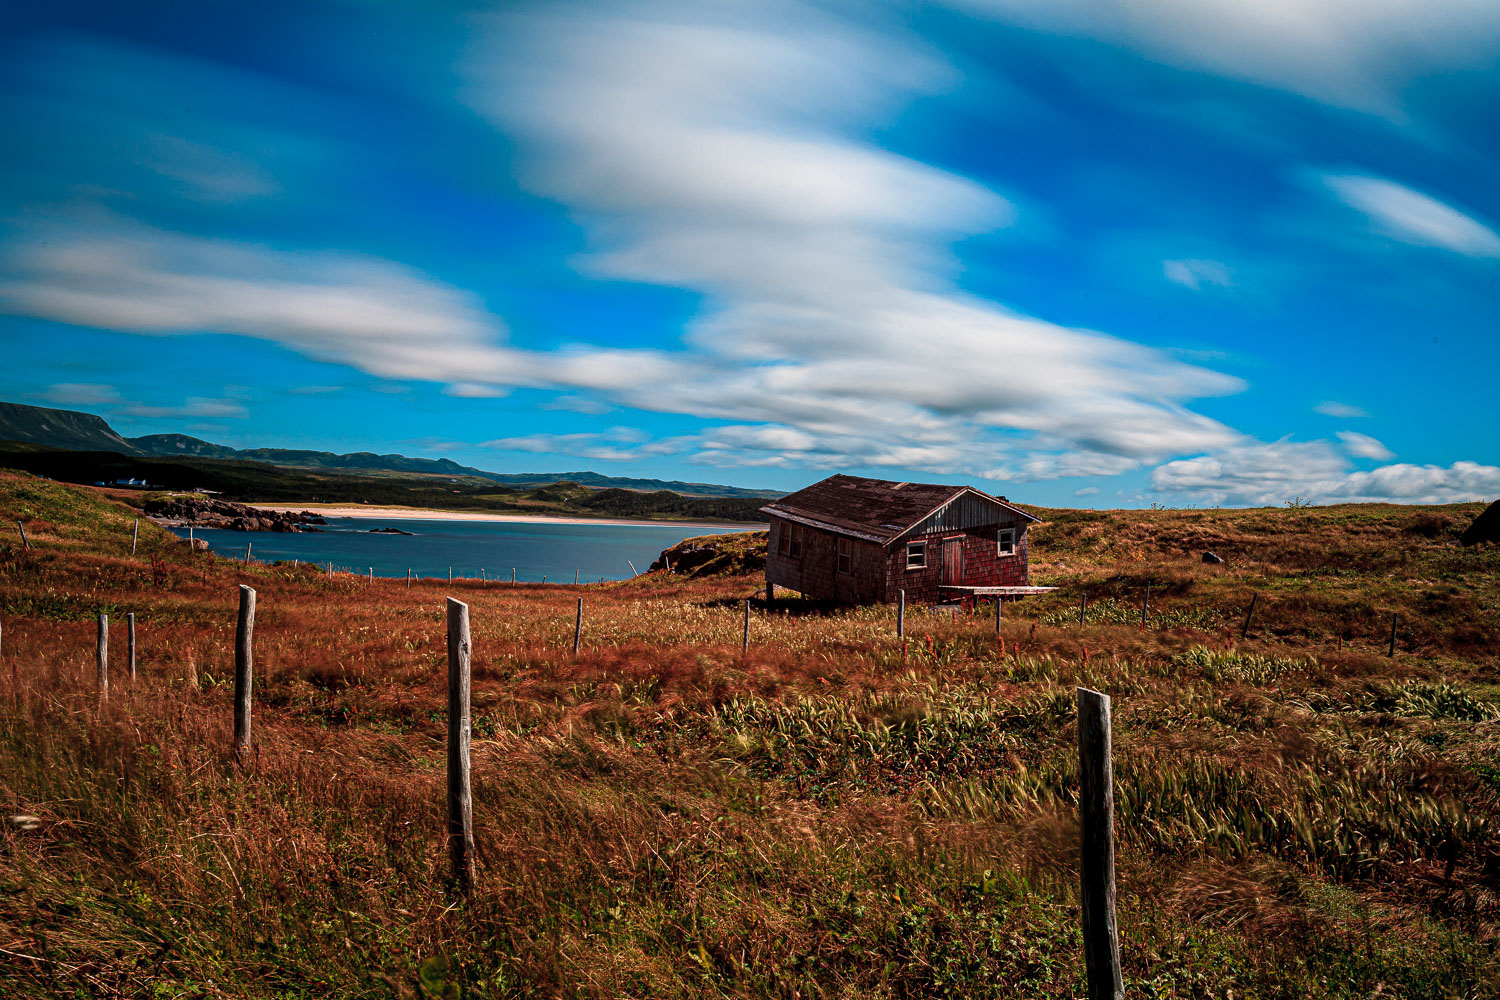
x=202, y=512
x=1486, y=527
x=711, y=555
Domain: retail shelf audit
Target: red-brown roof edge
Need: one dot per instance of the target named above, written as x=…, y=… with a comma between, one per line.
x=803, y=518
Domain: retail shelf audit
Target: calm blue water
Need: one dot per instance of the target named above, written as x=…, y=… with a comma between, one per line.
x=535, y=550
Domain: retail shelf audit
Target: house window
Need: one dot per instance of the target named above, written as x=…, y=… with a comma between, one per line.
x=789, y=542
x=916, y=555
x=1005, y=542
x=846, y=556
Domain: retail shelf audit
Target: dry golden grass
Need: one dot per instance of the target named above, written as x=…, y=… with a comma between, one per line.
x=837, y=813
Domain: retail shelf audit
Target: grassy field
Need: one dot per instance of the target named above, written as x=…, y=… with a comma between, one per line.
x=837, y=814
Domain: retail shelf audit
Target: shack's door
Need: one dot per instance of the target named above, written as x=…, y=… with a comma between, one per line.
x=953, y=562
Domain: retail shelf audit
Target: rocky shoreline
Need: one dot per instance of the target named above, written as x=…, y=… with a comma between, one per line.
x=202, y=512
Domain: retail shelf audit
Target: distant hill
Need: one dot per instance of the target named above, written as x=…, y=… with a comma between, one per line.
x=73, y=430
x=59, y=429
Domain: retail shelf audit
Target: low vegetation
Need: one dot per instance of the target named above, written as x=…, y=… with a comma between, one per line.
x=838, y=813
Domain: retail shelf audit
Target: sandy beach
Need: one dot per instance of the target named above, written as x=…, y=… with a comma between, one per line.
x=419, y=514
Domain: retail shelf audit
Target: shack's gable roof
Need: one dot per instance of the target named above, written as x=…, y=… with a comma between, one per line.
x=876, y=510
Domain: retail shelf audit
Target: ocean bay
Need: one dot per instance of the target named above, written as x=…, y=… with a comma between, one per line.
x=534, y=549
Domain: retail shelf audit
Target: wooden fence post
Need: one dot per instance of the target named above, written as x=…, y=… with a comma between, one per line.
x=512, y=574
x=101, y=656
x=1392, y=651
x=575, y=578
x=248, y=546
x=1146, y=606
x=901, y=614
x=135, y=535
x=24, y=542
x=1083, y=608
x=450, y=576
x=1254, y=596
x=408, y=578
x=244, y=633
x=130, y=642
x=633, y=570
x=745, y=640
x=999, y=604
x=578, y=628
x=460, y=799
x=1096, y=814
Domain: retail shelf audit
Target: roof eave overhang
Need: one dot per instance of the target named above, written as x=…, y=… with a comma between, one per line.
x=813, y=522
x=967, y=489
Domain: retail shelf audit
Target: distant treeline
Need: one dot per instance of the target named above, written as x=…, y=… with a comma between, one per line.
x=248, y=482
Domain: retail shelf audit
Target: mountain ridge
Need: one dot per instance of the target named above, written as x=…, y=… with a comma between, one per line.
x=75, y=430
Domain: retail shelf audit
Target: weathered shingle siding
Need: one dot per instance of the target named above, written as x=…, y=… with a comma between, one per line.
x=815, y=574
x=983, y=567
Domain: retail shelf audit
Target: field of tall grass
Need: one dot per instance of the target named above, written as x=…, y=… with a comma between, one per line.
x=838, y=813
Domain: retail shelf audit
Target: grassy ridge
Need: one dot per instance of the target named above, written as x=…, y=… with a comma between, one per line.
x=837, y=814
x=259, y=482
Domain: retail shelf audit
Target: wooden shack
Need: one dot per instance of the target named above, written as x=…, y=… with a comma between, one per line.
x=863, y=541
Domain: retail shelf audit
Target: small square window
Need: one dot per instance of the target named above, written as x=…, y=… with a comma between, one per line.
x=1005, y=542
x=916, y=555
x=846, y=555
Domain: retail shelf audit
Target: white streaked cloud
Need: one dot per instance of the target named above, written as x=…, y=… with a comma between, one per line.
x=1344, y=411
x=1272, y=473
x=720, y=150
x=1195, y=274
x=1413, y=217
x=1364, y=446
x=81, y=394
x=1358, y=54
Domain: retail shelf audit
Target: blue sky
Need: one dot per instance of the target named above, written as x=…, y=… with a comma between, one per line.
x=1082, y=254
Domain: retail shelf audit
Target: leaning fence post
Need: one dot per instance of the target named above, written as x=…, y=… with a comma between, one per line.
x=247, y=552
x=1096, y=809
x=901, y=614
x=745, y=641
x=1392, y=651
x=130, y=642
x=460, y=801
x=101, y=656
x=1083, y=608
x=135, y=535
x=578, y=627
x=243, y=667
x=1254, y=596
x=633, y=570
x=24, y=541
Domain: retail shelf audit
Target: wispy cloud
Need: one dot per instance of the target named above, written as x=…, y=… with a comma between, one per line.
x=1195, y=274
x=81, y=394
x=1413, y=217
x=1364, y=446
x=1344, y=411
x=1272, y=473
x=1345, y=52
x=715, y=151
